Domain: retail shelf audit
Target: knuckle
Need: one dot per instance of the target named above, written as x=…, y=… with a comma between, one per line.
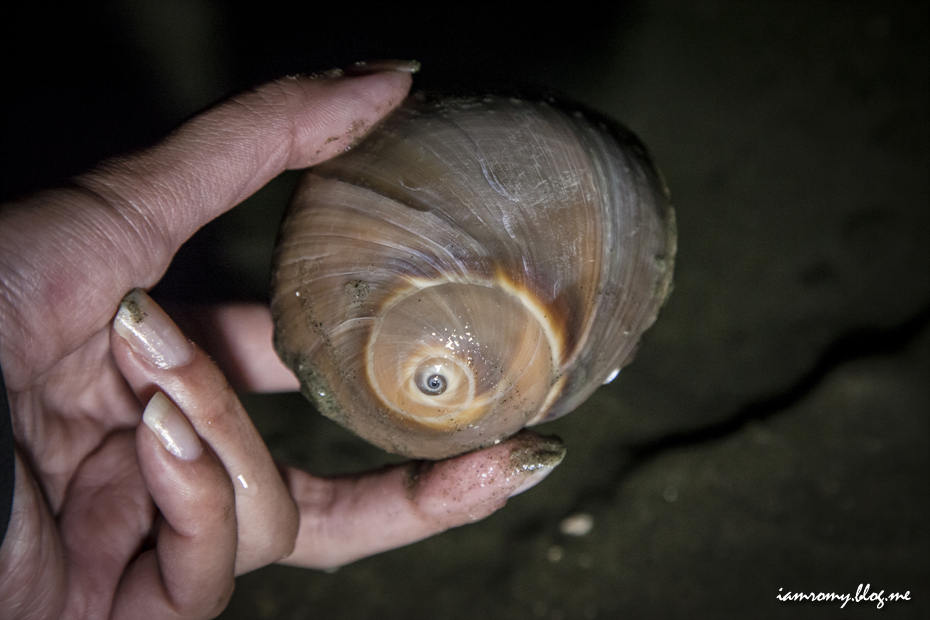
x=282, y=533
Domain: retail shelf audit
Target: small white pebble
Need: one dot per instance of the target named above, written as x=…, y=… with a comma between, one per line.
x=554, y=553
x=578, y=524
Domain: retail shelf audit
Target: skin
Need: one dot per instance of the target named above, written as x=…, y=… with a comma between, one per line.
x=106, y=521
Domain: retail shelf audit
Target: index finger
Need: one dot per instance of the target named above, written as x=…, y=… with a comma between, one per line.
x=350, y=517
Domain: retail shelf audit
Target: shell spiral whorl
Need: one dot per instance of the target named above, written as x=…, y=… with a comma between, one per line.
x=476, y=265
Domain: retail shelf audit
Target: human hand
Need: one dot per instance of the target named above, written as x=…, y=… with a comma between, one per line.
x=110, y=515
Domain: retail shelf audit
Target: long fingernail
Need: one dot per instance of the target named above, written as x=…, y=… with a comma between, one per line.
x=367, y=67
x=172, y=428
x=535, y=456
x=150, y=332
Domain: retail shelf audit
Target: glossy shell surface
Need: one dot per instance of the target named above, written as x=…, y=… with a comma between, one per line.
x=474, y=266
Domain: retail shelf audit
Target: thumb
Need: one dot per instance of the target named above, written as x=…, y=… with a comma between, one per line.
x=70, y=255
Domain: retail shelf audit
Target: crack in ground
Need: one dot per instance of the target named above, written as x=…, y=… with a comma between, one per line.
x=856, y=344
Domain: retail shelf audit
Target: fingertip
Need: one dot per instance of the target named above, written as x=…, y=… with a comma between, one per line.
x=534, y=456
x=474, y=485
x=171, y=428
x=150, y=332
x=367, y=67
x=337, y=112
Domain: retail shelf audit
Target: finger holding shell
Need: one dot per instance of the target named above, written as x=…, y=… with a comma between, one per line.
x=475, y=266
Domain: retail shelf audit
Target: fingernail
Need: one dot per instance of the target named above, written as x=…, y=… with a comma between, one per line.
x=172, y=428
x=150, y=332
x=367, y=67
x=535, y=456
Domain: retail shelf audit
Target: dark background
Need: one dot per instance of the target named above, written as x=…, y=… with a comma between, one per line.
x=773, y=433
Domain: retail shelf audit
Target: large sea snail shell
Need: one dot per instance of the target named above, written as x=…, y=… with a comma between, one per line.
x=474, y=266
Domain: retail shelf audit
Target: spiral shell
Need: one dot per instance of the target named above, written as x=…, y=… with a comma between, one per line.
x=475, y=266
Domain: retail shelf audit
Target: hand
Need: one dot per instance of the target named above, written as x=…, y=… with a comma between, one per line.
x=114, y=511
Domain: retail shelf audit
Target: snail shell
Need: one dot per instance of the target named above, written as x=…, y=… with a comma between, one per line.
x=475, y=266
